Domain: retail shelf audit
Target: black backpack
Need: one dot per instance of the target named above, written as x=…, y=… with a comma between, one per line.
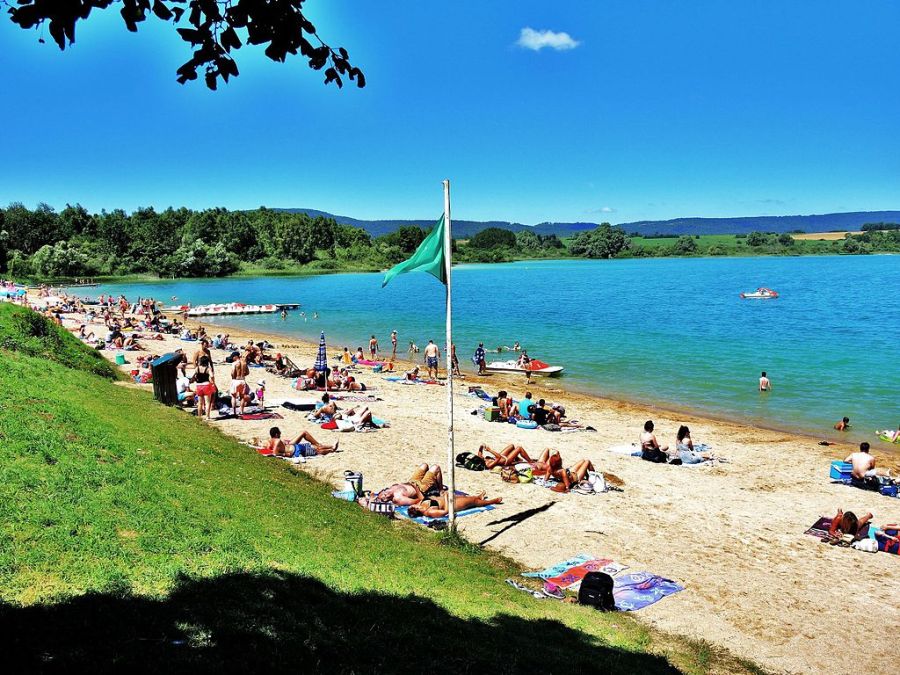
x=597, y=591
x=470, y=461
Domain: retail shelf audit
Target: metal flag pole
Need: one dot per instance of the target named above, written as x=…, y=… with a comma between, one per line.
x=451, y=457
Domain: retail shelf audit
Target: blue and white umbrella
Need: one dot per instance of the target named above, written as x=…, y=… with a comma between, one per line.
x=321, y=365
x=321, y=358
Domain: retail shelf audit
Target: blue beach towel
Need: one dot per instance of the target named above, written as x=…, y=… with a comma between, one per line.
x=403, y=512
x=641, y=589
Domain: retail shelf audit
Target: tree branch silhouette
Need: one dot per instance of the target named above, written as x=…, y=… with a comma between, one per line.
x=214, y=31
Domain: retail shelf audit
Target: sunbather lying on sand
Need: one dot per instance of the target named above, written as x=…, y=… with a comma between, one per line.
x=303, y=445
x=510, y=455
x=436, y=507
x=572, y=476
x=425, y=480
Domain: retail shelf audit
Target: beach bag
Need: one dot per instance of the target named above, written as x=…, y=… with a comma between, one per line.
x=597, y=591
x=868, y=545
x=509, y=474
x=353, y=482
x=470, y=461
x=524, y=472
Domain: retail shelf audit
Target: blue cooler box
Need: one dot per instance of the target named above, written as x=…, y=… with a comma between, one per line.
x=841, y=471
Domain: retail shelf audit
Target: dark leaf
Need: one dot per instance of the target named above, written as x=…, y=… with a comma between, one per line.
x=211, y=79
x=57, y=33
x=177, y=11
x=161, y=10
x=190, y=35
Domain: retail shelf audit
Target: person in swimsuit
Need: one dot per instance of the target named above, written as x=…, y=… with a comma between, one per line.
x=510, y=455
x=650, y=449
x=206, y=387
x=302, y=446
x=764, y=383
x=373, y=347
x=572, y=476
x=239, y=373
x=843, y=424
x=685, y=447
x=505, y=403
x=393, y=345
x=425, y=480
x=327, y=409
x=432, y=353
x=437, y=507
x=863, y=463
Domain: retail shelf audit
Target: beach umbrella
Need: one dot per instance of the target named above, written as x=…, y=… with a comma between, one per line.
x=321, y=364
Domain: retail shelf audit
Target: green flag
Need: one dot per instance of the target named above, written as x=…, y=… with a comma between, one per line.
x=429, y=257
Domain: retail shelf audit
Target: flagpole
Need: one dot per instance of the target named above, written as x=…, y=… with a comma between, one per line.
x=451, y=457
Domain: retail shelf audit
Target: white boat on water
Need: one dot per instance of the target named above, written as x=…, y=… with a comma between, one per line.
x=230, y=309
x=760, y=294
x=535, y=367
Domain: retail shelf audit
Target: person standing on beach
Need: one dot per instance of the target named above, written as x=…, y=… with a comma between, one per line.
x=373, y=347
x=432, y=354
x=478, y=358
x=454, y=362
x=764, y=383
x=393, y=345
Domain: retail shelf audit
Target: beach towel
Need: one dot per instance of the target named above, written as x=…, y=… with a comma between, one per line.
x=819, y=529
x=630, y=449
x=569, y=573
x=353, y=398
x=641, y=589
x=402, y=512
x=261, y=416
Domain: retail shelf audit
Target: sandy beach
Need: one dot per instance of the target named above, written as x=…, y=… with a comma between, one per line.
x=731, y=533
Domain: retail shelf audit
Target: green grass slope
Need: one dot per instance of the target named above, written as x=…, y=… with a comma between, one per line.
x=134, y=537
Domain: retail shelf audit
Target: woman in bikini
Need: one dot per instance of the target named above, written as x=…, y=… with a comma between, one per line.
x=206, y=387
x=650, y=449
x=511, y=454
x=436, y=507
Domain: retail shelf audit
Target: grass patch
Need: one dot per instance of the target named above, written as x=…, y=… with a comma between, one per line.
x=133, y=536
x=27, y=332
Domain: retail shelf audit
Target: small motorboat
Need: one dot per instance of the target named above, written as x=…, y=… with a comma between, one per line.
x=760, y=294
x=535, y=367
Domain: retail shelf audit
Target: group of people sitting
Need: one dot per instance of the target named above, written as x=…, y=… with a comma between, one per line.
x=528, y=409
x=425, y=495
x=329, y=379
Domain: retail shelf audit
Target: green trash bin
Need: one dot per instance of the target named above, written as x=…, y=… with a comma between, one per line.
x=165, y=377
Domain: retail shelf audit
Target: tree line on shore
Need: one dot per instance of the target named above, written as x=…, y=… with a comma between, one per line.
x=74, y=243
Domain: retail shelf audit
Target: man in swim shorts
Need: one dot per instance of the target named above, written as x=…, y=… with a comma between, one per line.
x=432, y=353
x=302, y=446
x=764, y=383
x=424, y=479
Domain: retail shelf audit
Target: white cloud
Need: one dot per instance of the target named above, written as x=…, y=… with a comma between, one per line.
x=602, y=209
x=536, y=40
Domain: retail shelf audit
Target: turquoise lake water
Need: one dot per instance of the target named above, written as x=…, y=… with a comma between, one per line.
x=671, y=332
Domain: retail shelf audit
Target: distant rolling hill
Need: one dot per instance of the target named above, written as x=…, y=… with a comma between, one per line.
x=463, y=229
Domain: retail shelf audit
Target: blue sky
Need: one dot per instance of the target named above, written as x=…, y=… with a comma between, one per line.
x=656, y=109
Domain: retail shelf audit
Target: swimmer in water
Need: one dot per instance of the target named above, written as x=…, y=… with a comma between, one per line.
x=764, y=383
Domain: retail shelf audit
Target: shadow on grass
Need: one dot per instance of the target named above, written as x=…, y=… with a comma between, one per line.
x=286, y=622
x=515, y=519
